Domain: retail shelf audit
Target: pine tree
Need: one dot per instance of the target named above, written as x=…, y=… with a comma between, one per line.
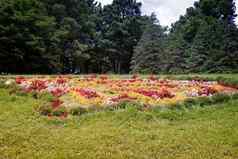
x=206, y=38
x=148, y=54
x=122, y=31
x=27, y=34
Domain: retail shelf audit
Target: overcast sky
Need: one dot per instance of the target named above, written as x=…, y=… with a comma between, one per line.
x=167, y=11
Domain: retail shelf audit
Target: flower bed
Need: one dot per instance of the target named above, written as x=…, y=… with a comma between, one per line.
x=103, y=91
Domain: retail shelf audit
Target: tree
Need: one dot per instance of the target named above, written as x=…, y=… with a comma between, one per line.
x=148, y=54
x=78, y=19
x=121, y=32
x=68, y=36
x=27, y=36
x=201, y=38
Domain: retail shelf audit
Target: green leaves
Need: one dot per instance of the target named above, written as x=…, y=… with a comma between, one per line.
x=53, y=36
x=148, y=54
x=199, y=41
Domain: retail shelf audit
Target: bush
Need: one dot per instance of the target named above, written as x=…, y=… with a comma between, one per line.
x=21, y=93
x=15, y=89
x=220, y=97
x=60, y=112
x=45, y=110
x=34, y=94
x=78, y=111
x=202, y=101
x=46, y=96
x=190, y=102
x=124, y=105
x=234, y=96
x=6, y=83
x=2, y=84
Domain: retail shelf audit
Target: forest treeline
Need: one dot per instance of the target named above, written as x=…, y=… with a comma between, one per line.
x=82, y=36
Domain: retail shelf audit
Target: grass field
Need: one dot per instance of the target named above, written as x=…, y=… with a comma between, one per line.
x=208, y=132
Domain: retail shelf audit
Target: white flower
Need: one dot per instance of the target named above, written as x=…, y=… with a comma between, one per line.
x=9, y=82
x=192, y=93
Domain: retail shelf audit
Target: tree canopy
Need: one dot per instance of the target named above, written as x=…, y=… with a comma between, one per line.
x=82, y=36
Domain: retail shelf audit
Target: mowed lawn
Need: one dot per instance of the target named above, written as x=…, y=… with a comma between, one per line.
x=209, y=132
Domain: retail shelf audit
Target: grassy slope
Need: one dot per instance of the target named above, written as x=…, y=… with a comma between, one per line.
x=198, y=133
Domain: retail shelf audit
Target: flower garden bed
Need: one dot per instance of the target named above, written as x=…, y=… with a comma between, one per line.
x=78, y=94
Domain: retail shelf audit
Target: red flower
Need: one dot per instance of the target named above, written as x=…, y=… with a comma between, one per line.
x=87, y=93
x=103, y=77
x=58, y=92
x=38, y=85
x=20, y=79
x=135, y=77
x=56, y=103
x=163, y=93
x=132, y=80
x=153, y=78
x=61, y=80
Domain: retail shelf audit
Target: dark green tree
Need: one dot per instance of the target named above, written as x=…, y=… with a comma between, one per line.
x=149, y=53
x=121, y=32
x=200, y=40
x=27, y=37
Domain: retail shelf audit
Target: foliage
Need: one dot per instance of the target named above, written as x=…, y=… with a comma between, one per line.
x=204, y=39
x=81, y=36
x=148, y=54
x=27, y=37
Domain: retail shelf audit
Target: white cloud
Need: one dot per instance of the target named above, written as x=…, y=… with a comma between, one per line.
x=105, y=2
x=167, y=11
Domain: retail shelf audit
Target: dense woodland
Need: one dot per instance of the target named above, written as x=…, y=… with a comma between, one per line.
x=82, y=36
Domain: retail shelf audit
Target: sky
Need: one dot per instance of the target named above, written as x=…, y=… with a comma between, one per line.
x=167, y=11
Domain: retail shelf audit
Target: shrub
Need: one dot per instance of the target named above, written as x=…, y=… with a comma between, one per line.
x=60, y=112
x=78, y=111
x=202, y=101
x=46, y=96
x=190, y=102
x=220, y=97
x=2, y=84
x=15, y=89
x=234, y=96
x=45, y=109
x=34, y=94
x=228, y=82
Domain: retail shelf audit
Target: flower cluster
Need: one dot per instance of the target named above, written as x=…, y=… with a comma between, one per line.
x=57, y=87
x=87, y=93
x=161, y=94
x=207, y=91
x=93, y=90
x=20, y=80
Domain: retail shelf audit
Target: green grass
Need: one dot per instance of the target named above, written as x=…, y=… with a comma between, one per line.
x=208, y=132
